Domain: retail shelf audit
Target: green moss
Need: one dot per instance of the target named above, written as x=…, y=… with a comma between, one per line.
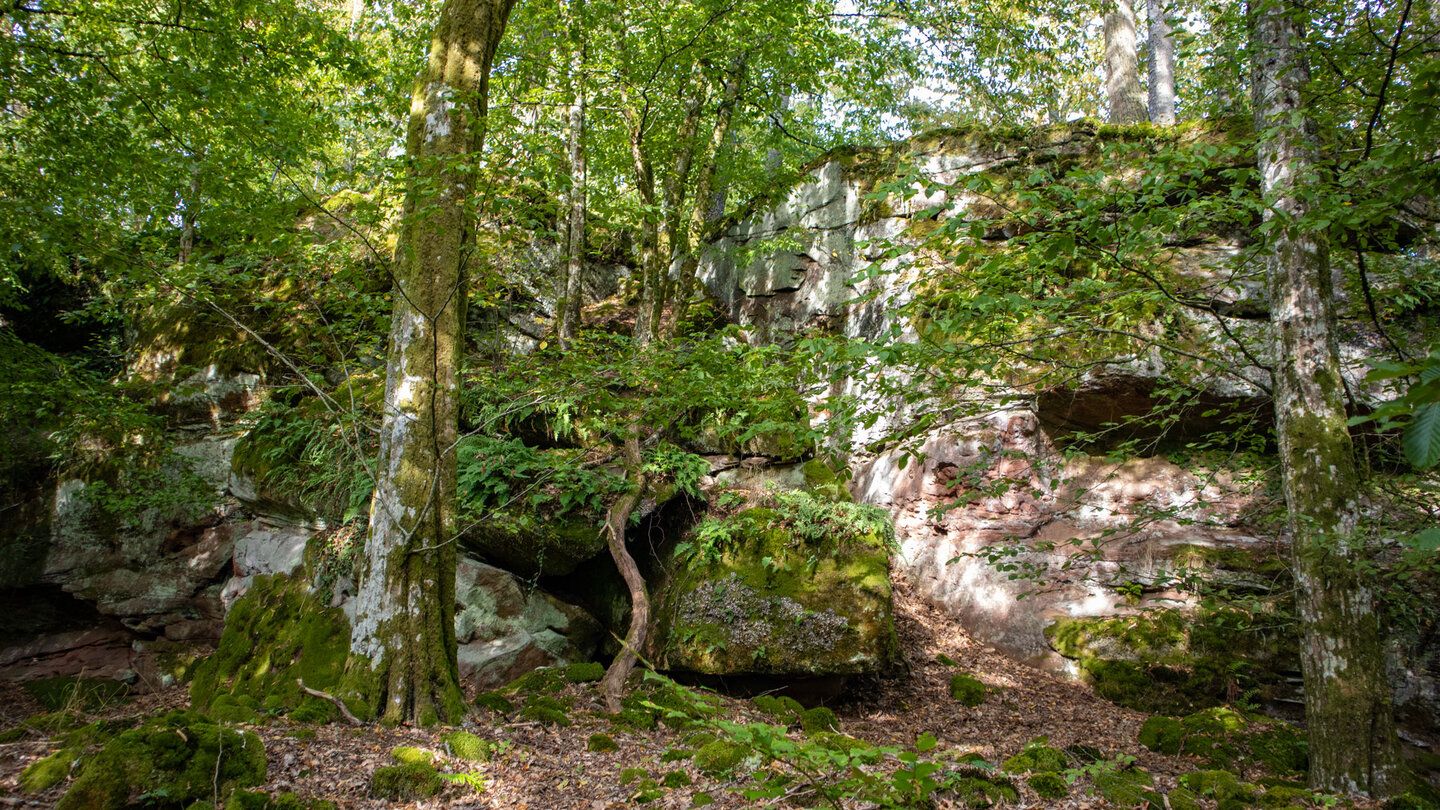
x=646, y=791
x=409, y=755
x=858, y=749
x=495, y=702
x=975, y=788
x=946, y=660
x=584, y=672
x=720, y=757
x=701, y=799
x=234, y=708
x=1281, y=796
x=785, y=710
x=676, y=754
x=46, y=773
x=301, y=734
x=1035, y=758
x=819, y=719
x=545, y=716
x=676, y=779
x=1126, y=788
x=276, y=634
x=1180, y=799
x=182, y=755
x=629, y=776
x=467, y=746
x=1174, y=662
x=546, y=680
x=1162, y=734
x=1048, y=785
x=601, y=742
x=247, y=800
x=966, y=689
x=406, y=783
x=1222, y=786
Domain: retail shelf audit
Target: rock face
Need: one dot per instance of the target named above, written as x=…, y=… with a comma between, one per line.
x=998, y=492
x=766, y=592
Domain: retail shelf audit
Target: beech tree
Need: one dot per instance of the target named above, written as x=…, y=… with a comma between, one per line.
x=1160, y=57
x=1353, y=744
x=1347, y=696
x=1122, y=69
x=403, y=653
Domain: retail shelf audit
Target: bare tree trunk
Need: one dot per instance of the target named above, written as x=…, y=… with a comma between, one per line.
x=402, y=663
x=1351, y=725
x=1161, y=59
x=570, y=301
x=705, y=209
x=613, y=685
x=1122, y=69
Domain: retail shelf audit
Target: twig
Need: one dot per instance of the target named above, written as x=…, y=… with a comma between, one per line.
x=339, y=704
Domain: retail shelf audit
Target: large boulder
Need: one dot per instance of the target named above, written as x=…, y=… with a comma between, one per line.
x=506, y=628
x=797, y=588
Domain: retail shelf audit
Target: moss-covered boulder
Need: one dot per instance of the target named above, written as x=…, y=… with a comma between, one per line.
x=798, y=588
x=180, y=757
x=1226, y=739
x=534, y=545
x=277, y=634
x=1174, y=662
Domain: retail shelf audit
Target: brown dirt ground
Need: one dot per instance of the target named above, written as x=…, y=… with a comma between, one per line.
x=546, y=768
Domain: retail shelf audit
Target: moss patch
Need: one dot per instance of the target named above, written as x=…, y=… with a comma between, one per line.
x=967, y=690
x=1174, y=662
x=601, y=743
x=182, y=755
x=1126, y=788
x=1048, y=785
x=1225, y=739
x=275, y=634
x=406, y=783
x=46, y=773
x=467, y=746
x=1036, y=758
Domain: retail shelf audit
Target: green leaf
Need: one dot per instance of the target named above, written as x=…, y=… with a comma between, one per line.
x=1427, y=540
x=1422, y=437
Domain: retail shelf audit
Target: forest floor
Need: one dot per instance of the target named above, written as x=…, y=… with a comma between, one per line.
x=549, y=768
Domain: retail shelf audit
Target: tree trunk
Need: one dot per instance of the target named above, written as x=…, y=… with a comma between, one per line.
x=1353, y=744
x=613, y=685
x=570, y=301
x=1122, y=69
x=1161, y=63
x=651, y=296
x=677, y=234
x=402, y=663
x=705, y=209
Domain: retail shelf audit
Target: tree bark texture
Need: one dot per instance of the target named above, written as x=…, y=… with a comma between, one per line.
x=1122, y=68
x=1353, y=744
x=651, y=296
x=402, y=648
x=704, y=209
x=1161, y=63
x=570, y=302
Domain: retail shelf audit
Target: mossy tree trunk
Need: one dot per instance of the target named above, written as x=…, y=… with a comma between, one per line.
x=1122, y=65
x=570, y=302
x=1353, y=744
x=402, y=648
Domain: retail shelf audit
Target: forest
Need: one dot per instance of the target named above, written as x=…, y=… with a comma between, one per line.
x=858, y=404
